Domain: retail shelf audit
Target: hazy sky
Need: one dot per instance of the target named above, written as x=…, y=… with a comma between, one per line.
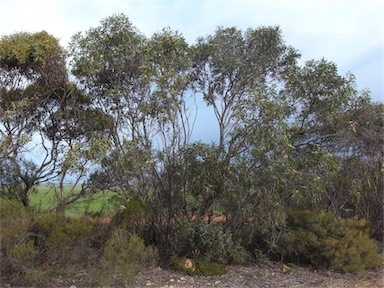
x=349, y=33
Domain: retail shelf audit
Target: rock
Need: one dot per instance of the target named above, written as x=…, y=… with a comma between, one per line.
x=189, y=264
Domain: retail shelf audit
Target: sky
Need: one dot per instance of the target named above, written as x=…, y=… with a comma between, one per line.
x=348, y=33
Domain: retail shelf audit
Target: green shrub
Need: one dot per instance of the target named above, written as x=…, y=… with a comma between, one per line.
x=257, y=244
x=132, y=216
x=324, y=241
x=64, y=241
x=203, y=267
x=17, y=252
x=207, y=268
x=239, y=255
x=184, y=265
x=179, y=239
x=123, y=256
x=211, y=242
x=14, y=221
x=203, y=241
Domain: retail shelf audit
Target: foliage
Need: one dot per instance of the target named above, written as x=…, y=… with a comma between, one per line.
x=32, y=70
x=123, y=256
x=10, y=185
x=65, y=241
x=324, y=241
x=17, y=252
x=203, y=241
x=133, y=216
x=210, y=242
x=203, y=267
x=357, y=189
x=184, y=265
x=42, y=113
x=207, y=268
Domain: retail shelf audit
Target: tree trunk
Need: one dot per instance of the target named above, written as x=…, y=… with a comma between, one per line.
x=24, y=195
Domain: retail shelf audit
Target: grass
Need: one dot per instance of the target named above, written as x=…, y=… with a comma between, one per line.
x=43, y=199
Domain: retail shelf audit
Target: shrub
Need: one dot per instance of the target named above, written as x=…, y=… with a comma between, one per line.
x=207, y=268
x=123, y=255
x=203, y=267
x=179, y=239
x=64, y=241
x=324, y=241
x=211, y=242
x=17, y=252
x=184, y=265
x=132, y=216
x=239, y=255
x=14, y=220
x=202, y=241
x=255, y=243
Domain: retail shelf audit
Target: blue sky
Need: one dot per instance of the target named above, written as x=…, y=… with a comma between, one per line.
x=349, y=33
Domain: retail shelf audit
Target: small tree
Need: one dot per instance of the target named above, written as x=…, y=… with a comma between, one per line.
x=44, y=119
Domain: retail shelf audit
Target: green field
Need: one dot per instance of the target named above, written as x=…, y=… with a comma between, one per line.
x=43, y=199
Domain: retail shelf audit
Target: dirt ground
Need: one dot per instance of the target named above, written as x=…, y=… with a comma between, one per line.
x=262, y=275
x=268, y=274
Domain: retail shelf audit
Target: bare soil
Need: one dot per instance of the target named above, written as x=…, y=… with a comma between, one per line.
x=268, y=274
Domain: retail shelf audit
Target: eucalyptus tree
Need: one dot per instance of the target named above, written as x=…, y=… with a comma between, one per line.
x=335, y=129
x=168, y=68
x=106, y=62
x=320, y=101
x=43, y=116
x=231, y=65
x=357, y=186
x=32, y=76
x=241, y=76
x=141, y=83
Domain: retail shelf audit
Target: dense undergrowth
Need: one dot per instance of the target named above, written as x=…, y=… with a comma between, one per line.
x=37, y=248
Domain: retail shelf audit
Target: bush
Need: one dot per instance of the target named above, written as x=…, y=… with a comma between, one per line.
x=324, y=241
x=207, y=268
x=184, y=265
x=203, y=267
x=17, y=252
x=124, y=254
x=65, y=241
x=239, y=255
x=210, y=242
x=132, y=216
x=256, y=244
x=203, y=241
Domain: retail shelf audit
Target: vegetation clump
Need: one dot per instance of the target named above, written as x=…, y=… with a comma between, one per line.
x=200, y=240
x=64, y=240
x=208, y=268
x=202, y=267
x=184, y=265
x=322, y=240
x=123, y=256
x=17, y=251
